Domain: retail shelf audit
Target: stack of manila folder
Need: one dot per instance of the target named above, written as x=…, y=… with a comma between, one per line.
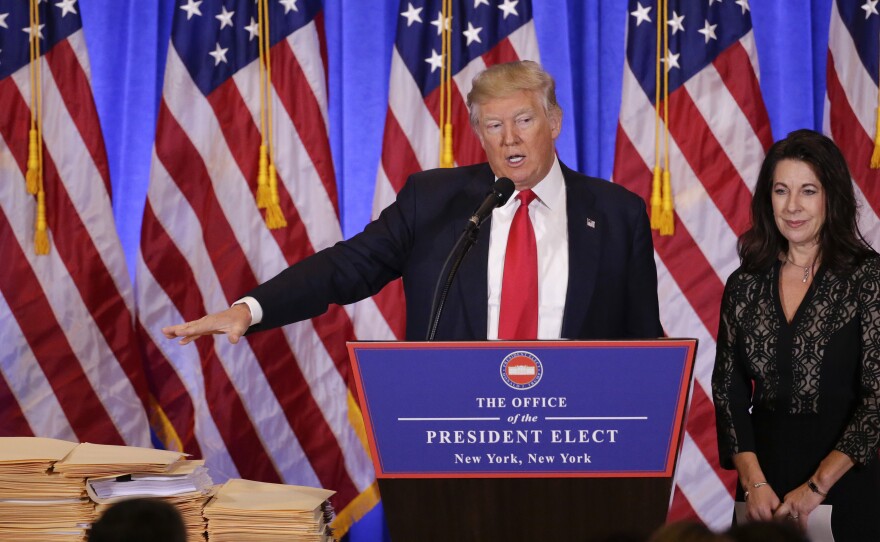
x=186, y=485
x=100, y=460
x=35, y=503
x=49, y=487
x=243, y=511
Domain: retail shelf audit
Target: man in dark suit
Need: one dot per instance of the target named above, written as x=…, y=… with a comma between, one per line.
x=568, y=257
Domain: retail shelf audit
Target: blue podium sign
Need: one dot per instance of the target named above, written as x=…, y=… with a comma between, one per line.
x=523, y=409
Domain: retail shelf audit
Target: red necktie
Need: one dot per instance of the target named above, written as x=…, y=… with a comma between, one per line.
x=519, y=287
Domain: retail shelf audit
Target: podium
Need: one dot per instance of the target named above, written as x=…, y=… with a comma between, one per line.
x=568, y=440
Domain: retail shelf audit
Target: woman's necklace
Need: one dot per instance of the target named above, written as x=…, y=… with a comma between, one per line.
x=807, y=268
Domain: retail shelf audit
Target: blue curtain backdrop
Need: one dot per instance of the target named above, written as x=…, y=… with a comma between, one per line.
x=581, y=44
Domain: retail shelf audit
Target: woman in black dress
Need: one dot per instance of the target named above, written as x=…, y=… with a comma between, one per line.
x=797, y=371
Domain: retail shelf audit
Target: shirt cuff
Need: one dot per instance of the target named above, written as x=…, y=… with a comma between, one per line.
x=254, y=306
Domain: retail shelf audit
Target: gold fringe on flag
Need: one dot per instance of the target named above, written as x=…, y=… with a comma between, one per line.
x=658, y=171
x=33, y=161
x=34, y=174
x=447, y=159
x=267, y=176
x=875, y=156
x=667, y=216
x=263, y=171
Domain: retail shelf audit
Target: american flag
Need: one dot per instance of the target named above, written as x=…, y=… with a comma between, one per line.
x=278, y=406
x=719, y=133
x=851, y=101
x=69, y=363
x=483, y=32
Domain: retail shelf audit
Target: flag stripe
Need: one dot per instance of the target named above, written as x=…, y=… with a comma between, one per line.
x=745, y=88
x=416, y=120
x=13, y=421
x=76, y=92
x=23, y=384
x=269, y=347
x=172, y=394
x=291, y=383
x=860, y=90
x=681, y=509
x=236, y=123
x=307, y=190
x=701, y=425
x=681, y=255
x=186, y=363
x=172, y=272
x=719, y=133
x=402, y=163
x=47, y=341
x=503, y=52
x=303, y=109
x=389, y=303
x=705, y=487
x=709, y=161
x=856, y=145
x=72, y=367
x=708, y=226
x=99, y=305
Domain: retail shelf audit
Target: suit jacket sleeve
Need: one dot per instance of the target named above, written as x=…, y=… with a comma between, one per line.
x=344, y=273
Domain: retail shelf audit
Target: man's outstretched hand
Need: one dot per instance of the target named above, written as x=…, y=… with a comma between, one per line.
x=233, y=322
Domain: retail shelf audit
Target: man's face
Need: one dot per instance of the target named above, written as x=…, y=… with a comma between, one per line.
x=518, y=137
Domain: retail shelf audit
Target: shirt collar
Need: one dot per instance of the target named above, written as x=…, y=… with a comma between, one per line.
x=549, y=189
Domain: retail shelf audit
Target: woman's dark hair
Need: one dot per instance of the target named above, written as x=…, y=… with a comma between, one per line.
x=841, y=245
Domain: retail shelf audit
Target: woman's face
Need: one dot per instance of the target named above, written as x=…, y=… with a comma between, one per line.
x=798, y=203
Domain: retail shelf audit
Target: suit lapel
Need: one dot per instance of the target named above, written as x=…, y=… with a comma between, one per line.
x=584, y=250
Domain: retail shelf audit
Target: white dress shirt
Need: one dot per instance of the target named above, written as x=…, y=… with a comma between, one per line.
x=550, y=221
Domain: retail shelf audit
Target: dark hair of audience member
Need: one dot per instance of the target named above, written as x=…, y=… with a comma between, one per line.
x=686, y=531
x=766, y=531
x=139, y=520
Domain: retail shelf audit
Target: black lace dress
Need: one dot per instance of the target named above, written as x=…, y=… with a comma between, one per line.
x=816, y=386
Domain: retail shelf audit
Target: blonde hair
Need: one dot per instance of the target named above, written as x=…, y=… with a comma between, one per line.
x=502, y=80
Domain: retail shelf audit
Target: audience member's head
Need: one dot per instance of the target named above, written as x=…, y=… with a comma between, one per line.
x=139, y=520
x=686, y=531
x=766, y=531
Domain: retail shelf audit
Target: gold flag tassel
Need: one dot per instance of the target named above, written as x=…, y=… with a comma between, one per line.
x=875, y=156
x=658, y=172
x=263, y=196
x=41, y=235
x=274, y=215
x=35, y=176
x=667, y=216
x=447, y=159
x=33, y=162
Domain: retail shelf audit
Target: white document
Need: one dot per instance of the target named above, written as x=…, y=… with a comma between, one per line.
x=818, y=524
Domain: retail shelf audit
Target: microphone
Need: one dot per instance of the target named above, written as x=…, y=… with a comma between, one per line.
x=501, y=192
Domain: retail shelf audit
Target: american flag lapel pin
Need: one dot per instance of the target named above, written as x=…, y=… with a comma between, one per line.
x=591, y=223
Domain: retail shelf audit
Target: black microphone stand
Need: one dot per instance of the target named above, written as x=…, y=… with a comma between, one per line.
x=500, y=193
x=466, y=240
